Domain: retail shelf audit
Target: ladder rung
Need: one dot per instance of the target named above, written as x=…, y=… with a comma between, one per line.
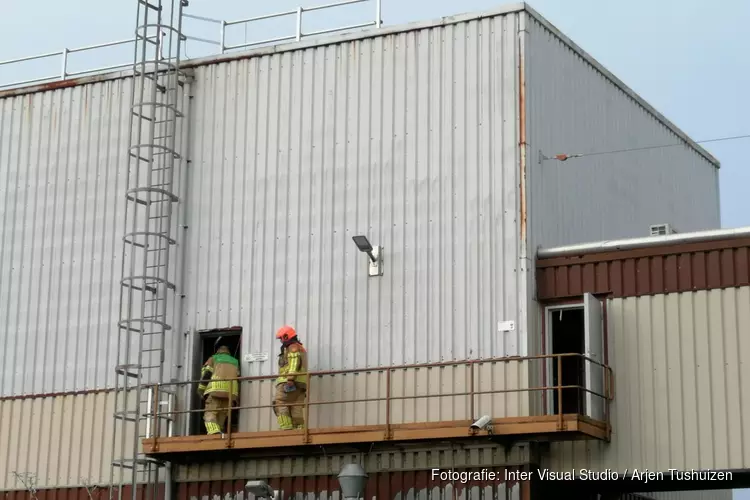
x=145, y=39
x=142, y=116
x=131, y=329
x=150, y=5
x=129, y=463
x=135, y=287
x=125, y=415
x=124, y=370
x=139, y=157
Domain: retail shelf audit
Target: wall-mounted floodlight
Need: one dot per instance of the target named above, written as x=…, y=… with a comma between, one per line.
x=261, y=489
x=375, y=253
x=352, y=480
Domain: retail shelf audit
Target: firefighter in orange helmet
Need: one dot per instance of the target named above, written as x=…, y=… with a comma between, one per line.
x=291, y=385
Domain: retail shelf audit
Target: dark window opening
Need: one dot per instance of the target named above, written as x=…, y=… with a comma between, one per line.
x=568, y=336
x=204, y=350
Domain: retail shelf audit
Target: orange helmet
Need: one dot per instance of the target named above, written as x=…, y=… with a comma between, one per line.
x=285, y=333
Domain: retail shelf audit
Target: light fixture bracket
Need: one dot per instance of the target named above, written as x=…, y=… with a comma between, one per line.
x=375, y=262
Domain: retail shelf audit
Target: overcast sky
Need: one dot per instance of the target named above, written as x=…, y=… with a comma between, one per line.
x=688, y=58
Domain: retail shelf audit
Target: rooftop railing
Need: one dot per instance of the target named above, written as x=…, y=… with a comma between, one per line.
x=296, y=34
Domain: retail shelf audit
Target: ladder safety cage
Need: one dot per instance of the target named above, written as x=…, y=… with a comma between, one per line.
x=145, y=286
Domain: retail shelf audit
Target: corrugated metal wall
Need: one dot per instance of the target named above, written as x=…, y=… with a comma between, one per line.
x=58, y=442
x=574, y=105
x=327, y=487
x=413, y=485
x=82, y=493
x=591, y=198
x=691, y=495
x=62, y=181
x=63, y=175
x=679, y=368
x=661, y=271
x=408, y=138
x=424, y=395
x=441, y=456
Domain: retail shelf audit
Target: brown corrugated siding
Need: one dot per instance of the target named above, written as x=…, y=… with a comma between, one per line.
x=392, y=485
x=647, y=271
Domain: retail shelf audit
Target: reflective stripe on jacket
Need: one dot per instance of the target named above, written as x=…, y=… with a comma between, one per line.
x=293, y=360
x=220, y=367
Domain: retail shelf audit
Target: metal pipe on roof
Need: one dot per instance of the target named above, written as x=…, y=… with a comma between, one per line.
x=649, y=241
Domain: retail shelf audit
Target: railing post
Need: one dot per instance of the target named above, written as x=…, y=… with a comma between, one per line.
x=228, y=443
x=156, y=412
x=307, y=409
x=388, y=404
x=64, y=54
x=171, y=414
x=559, y=394
x=222, y=35
x=299, y=23
x=472, y=416
x=378, y=7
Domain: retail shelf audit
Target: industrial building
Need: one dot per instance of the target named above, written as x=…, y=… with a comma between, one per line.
x=145, y=212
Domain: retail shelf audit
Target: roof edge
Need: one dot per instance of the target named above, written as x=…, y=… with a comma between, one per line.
x=636, y=243
x=317, y=41
x=621, y=85
x=358, y=35
x=64, y=84
x=383, y=31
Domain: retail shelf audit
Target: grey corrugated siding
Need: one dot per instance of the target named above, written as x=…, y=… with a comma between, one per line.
x=62, y=180
x=63, y=174
x=409, y=138
x=573, y=106
x=679, y=372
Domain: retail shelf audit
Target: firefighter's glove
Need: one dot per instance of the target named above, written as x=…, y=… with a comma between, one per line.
x=290, y=387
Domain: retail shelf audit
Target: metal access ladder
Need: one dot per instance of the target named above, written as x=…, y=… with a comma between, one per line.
x=147, y=244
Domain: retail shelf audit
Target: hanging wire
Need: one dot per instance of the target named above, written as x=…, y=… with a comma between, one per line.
x=563, y=157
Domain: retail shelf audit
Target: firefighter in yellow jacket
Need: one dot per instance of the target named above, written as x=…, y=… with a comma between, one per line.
x=291, y=385
x=220, y=394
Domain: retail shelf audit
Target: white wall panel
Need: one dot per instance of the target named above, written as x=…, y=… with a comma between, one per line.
x=409, y=138
x=679, y=372
x=62, y=182
x=59, y=441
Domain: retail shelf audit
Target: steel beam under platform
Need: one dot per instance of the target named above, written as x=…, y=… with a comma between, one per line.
x=542, y=428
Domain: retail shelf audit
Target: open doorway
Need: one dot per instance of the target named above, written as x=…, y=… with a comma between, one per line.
x=576, y=329
x=566, y=336
x=204, y=349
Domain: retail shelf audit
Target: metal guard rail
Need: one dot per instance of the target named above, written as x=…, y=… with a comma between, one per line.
x=299, y=34
x=608, y=387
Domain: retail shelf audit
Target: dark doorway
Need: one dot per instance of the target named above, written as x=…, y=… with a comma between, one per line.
x=205, y=349
x=568, y=336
